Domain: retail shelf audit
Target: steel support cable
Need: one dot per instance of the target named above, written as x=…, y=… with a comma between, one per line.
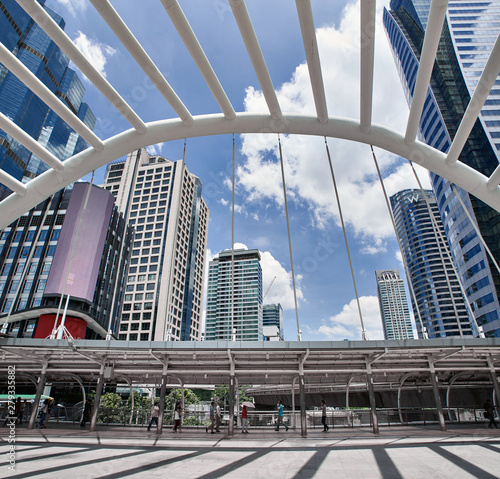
x=405, y=263
x=493, y=259
x=299, y=334
x=443, y=241
x=232, y=251
x=54, y=329
x=363, y=331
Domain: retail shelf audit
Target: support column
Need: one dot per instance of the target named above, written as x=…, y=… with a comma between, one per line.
x=230, y=426
x=302, y=400
x=237, y=404
x=437, y=398
x=494, y=380
x=97, y=400
x=371, y=396
x=38, y=395
x=163, y=393
x=294, y=421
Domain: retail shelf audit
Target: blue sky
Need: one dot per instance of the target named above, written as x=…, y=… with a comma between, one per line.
x=326, y=298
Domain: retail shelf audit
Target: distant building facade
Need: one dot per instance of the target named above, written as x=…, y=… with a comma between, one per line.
x=272, y=322
x=440, y=309
x=234, y=297
x=162, y=202
x=394, y=309
x=35, y=49
x=466, y=42
x=66, y=258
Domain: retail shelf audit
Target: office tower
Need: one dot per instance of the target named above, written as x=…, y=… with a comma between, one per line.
x=66, y=258
x=162, y=201
x=440, y=306
x=234, y=299
x=272, y=322
x=34, y=48
x=468, y=36
x=393, y=305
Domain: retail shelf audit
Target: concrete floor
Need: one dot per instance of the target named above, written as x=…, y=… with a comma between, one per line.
x=471, y=451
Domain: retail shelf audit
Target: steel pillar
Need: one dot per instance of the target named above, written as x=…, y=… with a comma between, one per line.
x=97, y=400
x=38, y=395
x=163, y=392
x=230, y=426
x=371, y=396
x=494, y=380
x=302, y=400
x=437, y=398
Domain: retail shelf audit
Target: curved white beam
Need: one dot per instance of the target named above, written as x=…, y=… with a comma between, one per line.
x=119, y=27
x=185, y=31
x=207, y=125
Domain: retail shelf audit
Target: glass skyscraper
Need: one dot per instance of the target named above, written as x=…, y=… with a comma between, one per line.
x=440, y=307
x=234, y=299
x=396, y=319
x=469, y=33
x=272, y=321
x=34, y=48
x=162, y=201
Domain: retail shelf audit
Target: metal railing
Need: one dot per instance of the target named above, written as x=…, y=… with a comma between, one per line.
x=342, y=418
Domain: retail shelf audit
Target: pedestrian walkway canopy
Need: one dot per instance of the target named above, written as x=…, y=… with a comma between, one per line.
x=251, y=363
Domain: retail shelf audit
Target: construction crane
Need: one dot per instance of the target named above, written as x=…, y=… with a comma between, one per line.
x=268, y=288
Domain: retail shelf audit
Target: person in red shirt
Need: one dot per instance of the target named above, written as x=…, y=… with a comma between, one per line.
x=244, y=420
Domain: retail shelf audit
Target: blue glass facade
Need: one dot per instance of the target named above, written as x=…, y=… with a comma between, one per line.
x=29, y=43
x=468, y=36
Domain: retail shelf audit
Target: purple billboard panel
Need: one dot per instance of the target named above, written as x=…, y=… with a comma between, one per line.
x=81, y=243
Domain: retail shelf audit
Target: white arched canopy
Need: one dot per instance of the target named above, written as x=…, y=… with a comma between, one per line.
x=273, y=120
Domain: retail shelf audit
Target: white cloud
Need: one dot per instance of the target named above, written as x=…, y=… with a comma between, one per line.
x=347, y=323
x=307, y=172
x=155, y=149
x=74, y=6
x=277, y=282
x=95, y=52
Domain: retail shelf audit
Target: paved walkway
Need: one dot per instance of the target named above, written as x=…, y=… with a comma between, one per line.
x=118, y=452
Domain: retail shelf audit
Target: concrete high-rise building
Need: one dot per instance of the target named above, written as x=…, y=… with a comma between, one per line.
x=66, y=258
x=234, y=299
x=272, y=322
x=468, y=36
x=396, y=319
x=440, y=306
x=35, y=49
x=162, y=201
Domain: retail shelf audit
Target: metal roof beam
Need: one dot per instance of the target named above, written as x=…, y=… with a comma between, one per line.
x=115, y=22
x=437, y=14
x=52, y=101
x=367, y=41
x=185, y=31
x=306, y=21
x=247, y=31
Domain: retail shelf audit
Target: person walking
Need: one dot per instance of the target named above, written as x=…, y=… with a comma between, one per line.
x=218, y=417
x=86, y=413
x=244, y=420
x=212, y=418
x=323, y=416
x=43, y=413
x=177, y=417
x=155, y=412
x=489, y=413
x=280, y=417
